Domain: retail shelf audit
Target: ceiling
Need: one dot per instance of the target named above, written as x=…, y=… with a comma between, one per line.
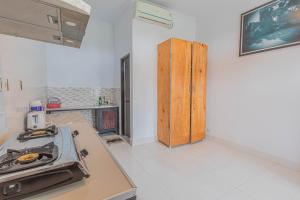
x=109, y=9
x=192, y=7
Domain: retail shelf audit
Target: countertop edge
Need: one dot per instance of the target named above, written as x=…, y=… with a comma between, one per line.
x=81, y=108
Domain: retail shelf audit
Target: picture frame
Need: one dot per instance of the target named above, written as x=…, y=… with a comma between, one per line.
x=270, y=26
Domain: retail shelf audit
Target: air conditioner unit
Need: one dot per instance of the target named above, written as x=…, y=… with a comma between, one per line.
x=150, y=12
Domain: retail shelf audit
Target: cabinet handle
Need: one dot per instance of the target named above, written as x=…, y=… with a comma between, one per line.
x=52, y=19
x=1, y=85
x=21, y=85
x=55, y=37
x=7, y=85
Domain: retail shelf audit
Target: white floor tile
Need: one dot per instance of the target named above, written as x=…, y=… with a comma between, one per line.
x=236, y=195
x=296, y=196
x=267, y=188
x=204, y=171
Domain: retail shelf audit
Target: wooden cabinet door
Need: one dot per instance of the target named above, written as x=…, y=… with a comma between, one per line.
x=31, y=12
x=180, y=91
x=30, y=19
x=198, y=99
x=163, y=92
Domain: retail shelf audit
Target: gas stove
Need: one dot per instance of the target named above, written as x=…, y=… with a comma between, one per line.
x=38, y=164
x=30, y=134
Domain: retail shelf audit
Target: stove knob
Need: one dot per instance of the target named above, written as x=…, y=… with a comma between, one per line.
x=84, y=153
x=11, y=189
x=75, y=133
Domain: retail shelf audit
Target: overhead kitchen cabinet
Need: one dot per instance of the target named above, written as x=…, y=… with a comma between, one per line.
x=181, y=92
x=56, y=21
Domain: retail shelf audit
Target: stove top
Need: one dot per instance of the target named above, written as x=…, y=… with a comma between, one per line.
x=30, y=134
x=43, y=154
x=41, y=162
x=17, y=160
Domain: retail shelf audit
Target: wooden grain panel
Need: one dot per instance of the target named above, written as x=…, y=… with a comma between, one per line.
x=180, y=92
x=163, y=95
x=198, y=99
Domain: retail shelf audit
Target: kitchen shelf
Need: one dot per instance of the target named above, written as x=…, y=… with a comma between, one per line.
x=49, y=111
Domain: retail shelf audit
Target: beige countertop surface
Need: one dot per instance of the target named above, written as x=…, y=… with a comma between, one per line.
x=107, y=180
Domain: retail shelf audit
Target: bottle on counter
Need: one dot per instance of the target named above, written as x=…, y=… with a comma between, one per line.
x=100, y=101
x=104, y=101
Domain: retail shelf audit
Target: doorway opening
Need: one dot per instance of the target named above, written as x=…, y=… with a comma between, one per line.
x=125, y=98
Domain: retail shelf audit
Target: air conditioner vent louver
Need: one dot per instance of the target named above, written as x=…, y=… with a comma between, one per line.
x=154, y=14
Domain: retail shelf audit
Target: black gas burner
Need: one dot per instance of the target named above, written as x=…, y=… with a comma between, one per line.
x=30, y=134
x=17, y=160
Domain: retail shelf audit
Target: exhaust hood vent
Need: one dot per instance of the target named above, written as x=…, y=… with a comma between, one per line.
x=55, y=21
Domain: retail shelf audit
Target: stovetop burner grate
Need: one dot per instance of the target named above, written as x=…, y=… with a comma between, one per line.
x=17, y=160
x=30, y=134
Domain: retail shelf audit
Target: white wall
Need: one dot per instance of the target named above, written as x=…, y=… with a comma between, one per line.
x=146, y=37
x=253, y=100
x=90, y=66
x=20, y=59
x=123, y=47
x=122, y=39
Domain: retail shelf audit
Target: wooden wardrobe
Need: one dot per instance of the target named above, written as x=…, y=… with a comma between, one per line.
x=181, y=92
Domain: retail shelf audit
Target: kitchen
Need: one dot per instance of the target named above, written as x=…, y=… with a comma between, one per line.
x=136, y=99
x=60, y=149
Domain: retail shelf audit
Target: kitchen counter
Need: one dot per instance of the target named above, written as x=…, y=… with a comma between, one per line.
x=80, y=108
x=107, y=180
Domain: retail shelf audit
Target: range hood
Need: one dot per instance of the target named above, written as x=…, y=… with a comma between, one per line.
x=56, y=21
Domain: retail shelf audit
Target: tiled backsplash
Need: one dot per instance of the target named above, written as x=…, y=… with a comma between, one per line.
x=71, y=96
x=80, y=97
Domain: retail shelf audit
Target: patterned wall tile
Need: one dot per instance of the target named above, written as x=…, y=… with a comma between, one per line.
x=72, y=97
x=80, y=97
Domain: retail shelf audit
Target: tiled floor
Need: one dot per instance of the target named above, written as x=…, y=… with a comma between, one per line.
x=205, y=171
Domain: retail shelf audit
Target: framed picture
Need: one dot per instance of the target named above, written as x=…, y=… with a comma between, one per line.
x=271, y=26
